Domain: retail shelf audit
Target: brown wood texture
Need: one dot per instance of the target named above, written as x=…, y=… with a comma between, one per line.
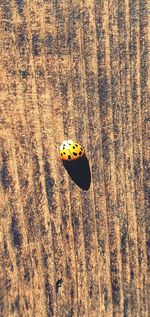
x=78, y=70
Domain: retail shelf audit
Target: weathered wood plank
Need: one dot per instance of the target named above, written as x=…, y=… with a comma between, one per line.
x=78, y=70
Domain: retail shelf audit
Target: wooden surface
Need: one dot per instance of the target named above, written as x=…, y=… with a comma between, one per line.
x=78, y=70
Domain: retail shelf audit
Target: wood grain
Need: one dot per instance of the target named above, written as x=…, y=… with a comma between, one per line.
x=77, y=70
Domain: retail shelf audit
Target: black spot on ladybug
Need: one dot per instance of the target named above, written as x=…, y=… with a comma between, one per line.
x=80, y=153
x=64, y=152
x=61, y=154
x=69, y=143
x=76, y=145
x=63, y=147
x=69, y=157
x=81, y=148
x=74, y=153
x=73, y=147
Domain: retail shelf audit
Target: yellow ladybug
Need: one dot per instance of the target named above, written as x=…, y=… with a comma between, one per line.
x=70, y=151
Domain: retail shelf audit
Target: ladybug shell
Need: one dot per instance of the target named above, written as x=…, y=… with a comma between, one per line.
x=70, y=151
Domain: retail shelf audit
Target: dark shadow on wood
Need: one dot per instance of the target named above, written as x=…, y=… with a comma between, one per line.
x=79, y=171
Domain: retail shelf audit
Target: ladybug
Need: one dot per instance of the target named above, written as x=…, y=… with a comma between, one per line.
x=71, y=151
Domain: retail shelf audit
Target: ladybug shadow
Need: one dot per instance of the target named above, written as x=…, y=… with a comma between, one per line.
x=79, y=171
